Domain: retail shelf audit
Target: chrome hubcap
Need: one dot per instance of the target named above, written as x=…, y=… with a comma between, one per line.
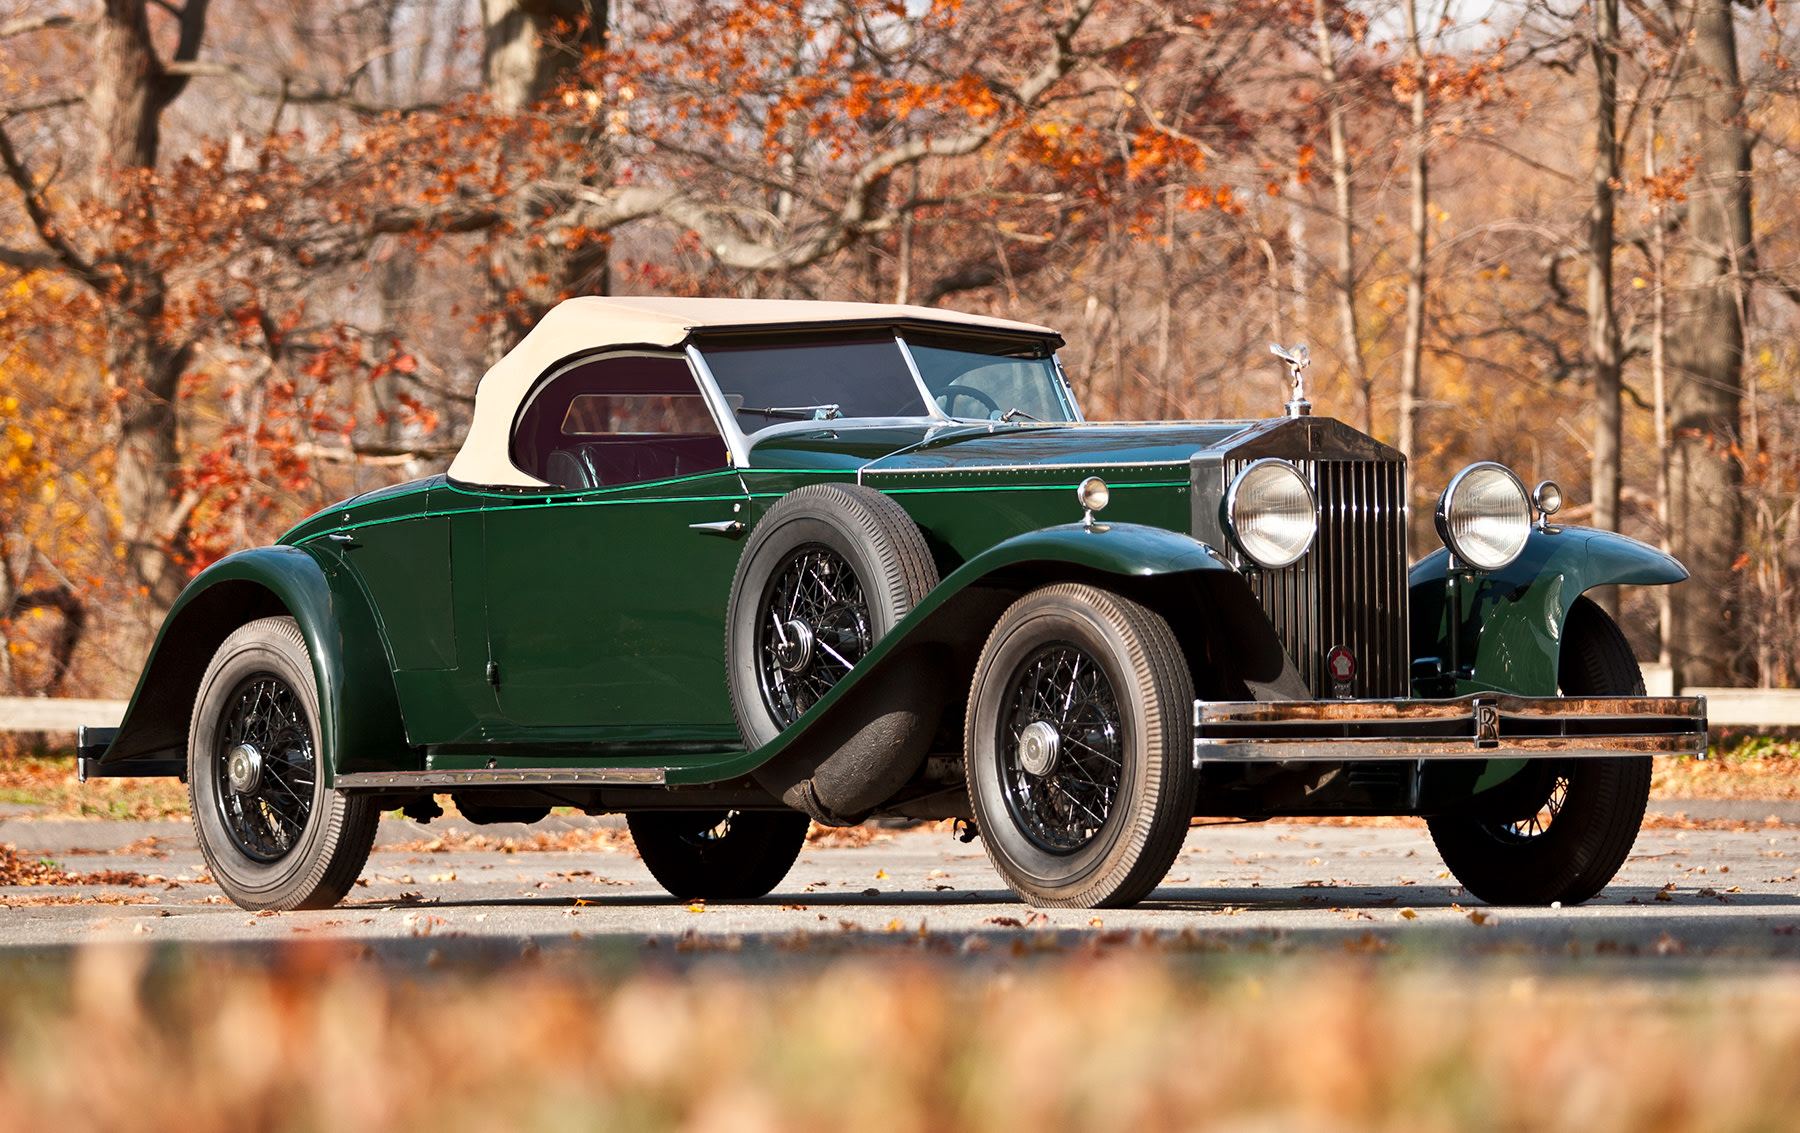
x=794, y=645
x=1039, y=745
x=243, y=769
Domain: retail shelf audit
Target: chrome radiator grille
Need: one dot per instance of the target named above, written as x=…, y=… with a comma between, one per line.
x=1350, y=588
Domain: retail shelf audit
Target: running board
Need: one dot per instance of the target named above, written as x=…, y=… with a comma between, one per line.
x=502, y=777
x=1483, y=726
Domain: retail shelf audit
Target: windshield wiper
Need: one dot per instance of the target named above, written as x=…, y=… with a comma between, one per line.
x=830, y=411
x=1015, y=411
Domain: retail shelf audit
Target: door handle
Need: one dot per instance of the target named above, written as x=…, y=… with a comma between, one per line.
x=343, y=538
x=729, y=528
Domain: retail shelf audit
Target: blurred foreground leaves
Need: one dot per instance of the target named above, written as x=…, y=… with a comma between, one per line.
x=319, y=1040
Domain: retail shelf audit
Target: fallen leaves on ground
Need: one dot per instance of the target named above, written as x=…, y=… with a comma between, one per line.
x=18, y=869
x=601, y=839
x=828, y=837
x=1756, y=767
x=48, y=782
x=1657, y=820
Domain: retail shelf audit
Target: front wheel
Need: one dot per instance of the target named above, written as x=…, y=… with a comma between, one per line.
x=273, y=835
x=726, y=855
x=1079, y=748
x=1566, y=830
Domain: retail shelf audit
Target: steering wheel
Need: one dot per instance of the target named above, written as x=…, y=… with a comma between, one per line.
x=947, y=397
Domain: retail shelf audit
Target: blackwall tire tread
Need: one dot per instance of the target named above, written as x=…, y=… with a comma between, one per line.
x=902, y=565
x=1606, y=797
x=748, y=863
x=341, y=828
x=1160, y=812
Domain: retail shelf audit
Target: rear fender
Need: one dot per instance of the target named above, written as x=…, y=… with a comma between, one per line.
x=359, y=715
x=1509, y=622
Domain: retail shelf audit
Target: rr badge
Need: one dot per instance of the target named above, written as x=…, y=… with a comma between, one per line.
x=1341, y=664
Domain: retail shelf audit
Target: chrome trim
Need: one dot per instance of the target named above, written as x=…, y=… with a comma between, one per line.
x=730, y=528
x=912, y=367
x=1486, y=726
x=1350, y=589
x=737, y=445
x=501, y=777
x=1068, y=391
x=1441, y=514
x=1230, y=517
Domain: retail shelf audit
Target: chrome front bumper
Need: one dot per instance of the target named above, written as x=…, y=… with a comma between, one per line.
x=1483, y=726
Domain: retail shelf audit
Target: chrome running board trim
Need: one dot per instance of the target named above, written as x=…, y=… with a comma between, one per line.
x=504, y=777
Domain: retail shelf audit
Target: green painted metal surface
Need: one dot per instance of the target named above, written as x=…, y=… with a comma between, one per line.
x=1123, y=549
x=359, y=717
x=452, y=626
x=1509, y=622
x=607, y=608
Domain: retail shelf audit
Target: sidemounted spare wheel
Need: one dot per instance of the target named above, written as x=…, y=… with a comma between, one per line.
x=272, y=834
x=825, y=575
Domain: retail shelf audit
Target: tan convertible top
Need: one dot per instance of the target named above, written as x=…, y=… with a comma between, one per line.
x=580, y=325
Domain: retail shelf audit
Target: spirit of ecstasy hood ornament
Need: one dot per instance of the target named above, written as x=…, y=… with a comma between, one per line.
x=1297, y=358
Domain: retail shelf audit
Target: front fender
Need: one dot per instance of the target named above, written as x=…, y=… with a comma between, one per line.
x=1509, y=622
x=949, y=626
x=359, y=714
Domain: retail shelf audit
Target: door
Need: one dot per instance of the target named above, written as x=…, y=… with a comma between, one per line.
x=606, y=594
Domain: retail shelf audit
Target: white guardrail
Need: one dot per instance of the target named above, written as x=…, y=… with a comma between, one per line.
x=1725, y=707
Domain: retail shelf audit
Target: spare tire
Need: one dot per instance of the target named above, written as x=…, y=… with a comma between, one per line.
x=829, y=571
x=826, y=574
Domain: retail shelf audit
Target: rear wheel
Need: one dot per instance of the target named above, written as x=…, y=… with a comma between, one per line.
x=1566, y=832
x=1079, y=748
x=720, y=854
x=273, y=835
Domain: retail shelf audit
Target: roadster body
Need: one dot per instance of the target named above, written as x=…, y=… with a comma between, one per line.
x=731, y=567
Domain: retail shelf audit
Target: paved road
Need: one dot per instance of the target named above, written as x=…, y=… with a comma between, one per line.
x=1698, y=893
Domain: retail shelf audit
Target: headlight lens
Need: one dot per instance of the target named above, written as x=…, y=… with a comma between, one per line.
x=1270, y=511
x=1484, y=516
x=1093, y=493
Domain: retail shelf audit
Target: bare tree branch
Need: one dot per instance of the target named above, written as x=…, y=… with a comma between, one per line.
x=855, y=216
x=287, y=93
x=7, y=113
x=64, y=253
x=25, y=25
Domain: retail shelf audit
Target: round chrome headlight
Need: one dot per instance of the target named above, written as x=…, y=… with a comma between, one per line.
x=1484, y=516
x=1093, y=493
x=1270, y=511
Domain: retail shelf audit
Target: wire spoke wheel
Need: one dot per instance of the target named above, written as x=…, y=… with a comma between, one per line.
x=265, y=768
x=1537, y=824
x=1062, y=702
x=274, y=835
x=814, y=627
x=1078, y=744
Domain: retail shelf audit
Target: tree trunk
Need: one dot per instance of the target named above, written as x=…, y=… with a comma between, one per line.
x=520, y=67
x=1603, y=327
x=1705, y=351
x=130, y=91
x=1413, y=354
x=1342, y=210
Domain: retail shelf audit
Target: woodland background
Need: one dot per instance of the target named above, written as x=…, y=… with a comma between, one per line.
x=255, y=255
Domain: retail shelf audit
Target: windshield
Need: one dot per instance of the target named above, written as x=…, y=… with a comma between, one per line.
x=766, y=385
x=969, y=379
x=968, y=383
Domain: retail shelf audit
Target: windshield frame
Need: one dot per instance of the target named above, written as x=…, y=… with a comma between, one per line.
x=738, y=442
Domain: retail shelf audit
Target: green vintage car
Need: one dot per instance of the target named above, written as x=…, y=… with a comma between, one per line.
x=731, y=567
